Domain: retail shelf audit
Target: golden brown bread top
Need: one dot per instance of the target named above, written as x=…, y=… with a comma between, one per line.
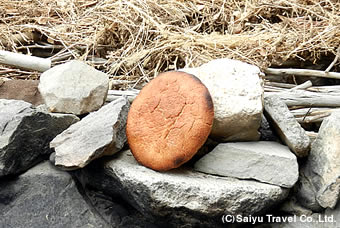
x=169, y=120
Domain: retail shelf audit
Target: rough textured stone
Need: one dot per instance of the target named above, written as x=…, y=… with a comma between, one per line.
x=305, y=191
x=263, y=161
x=180, y=197
x=45, y=197
x=73, y=87
x=292, y=207
x=286, y=126
x=327, y=219
x=116, y=211
x=28, y=91
x=237, y=92
x=99, y=133
x=321, y=173
x=25, y=134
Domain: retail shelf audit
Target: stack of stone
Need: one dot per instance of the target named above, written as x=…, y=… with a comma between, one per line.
x=257, y=154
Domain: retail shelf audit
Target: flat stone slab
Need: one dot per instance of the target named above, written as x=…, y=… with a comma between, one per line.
x=268, y=162
x=286, y=126
x=99, y=133
x=180, y=196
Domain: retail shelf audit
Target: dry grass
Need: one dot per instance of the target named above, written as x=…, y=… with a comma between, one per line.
x=137, y=39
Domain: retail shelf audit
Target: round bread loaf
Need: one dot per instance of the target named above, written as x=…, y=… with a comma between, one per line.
x=169, y=120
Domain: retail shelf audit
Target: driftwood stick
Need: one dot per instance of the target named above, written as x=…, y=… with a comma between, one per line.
x=24, y=61
x=273, y=89
x=325, y=89
x=280, y=85
x=313, y=119
x=311, y=115
x=301, y=112
x=284, y=86
x=312, y=111
x=302, y=72
x=309, y=99
x=304, y=85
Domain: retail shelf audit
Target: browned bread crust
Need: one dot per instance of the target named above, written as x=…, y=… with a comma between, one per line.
x=169, y=120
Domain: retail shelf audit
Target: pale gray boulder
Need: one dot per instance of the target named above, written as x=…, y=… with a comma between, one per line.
x=268, y=162
x=73, y=87
x=99, y=133
x=25, y=134
x=286, y=126
x=236, y=90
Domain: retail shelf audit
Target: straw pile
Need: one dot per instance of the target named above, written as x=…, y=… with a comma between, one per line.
x=136, y=39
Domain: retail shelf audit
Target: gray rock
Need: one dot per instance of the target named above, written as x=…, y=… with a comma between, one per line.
x=99, y=133
x=292, y=207
x=328, y=219
x=73, y=87
x=306, y=191
x=286, y=126
x=236, y=90
x=45, y=197
x=268, y=162
x=25, y=134
x=322, y=169
x=116, y=211
x=179, y=197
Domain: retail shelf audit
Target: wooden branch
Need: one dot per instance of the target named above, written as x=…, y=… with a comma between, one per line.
x=273, y=89
x=308, y=99
x=313, y=119
x=302, y=72
x=325, y=89
x=24, y=61
x=279, y=87
x=312, y=115
x=280, y=84
x=304, y=85
x=284, y=86
x=302, y=112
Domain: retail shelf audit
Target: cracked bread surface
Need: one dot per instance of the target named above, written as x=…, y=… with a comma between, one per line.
x=169, y=120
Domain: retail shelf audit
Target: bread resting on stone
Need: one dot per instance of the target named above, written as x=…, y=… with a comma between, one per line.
x=169, y=120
